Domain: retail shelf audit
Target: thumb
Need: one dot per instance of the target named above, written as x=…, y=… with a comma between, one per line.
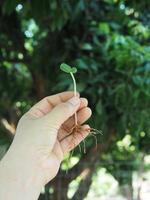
x=62, y=112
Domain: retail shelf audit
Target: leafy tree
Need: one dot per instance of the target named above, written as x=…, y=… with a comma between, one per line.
x=107, y=41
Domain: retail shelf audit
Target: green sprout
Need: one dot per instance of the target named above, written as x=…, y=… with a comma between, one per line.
x=71, y=70
x=77, y=128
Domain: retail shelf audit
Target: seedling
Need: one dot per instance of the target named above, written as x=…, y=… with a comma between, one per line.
x=77, y=128
x=71, y=70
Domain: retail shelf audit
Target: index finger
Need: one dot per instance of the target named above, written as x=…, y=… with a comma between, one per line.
x=48, y=103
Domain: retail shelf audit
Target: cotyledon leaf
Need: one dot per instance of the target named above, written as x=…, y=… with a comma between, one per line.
x=74, y=70
x=66, y=68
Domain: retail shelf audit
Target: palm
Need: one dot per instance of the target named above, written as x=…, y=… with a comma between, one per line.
x=65, y=141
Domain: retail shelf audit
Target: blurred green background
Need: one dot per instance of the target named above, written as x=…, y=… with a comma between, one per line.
x=109, y=42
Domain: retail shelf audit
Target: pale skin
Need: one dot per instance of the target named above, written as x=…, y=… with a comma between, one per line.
x=40, y=144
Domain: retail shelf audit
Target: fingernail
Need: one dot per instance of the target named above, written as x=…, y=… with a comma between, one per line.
x=74, y=101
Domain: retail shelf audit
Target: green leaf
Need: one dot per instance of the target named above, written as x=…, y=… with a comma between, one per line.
x=104, y=28
x=74, y=70
x=86, y=46
x=65, y=68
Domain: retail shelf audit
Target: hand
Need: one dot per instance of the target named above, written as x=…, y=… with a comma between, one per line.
x=40, y=142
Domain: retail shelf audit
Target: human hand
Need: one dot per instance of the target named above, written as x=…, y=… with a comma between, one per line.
x=38, y=147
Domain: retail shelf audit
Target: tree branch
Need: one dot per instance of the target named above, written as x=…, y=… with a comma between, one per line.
x=9, y=130
x=85, y=183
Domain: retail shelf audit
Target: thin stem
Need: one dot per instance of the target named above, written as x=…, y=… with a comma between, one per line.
x=74, y=84
x=75, y=94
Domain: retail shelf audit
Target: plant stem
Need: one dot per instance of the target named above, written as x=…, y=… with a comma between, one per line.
x=74, y=84
x=75, y=94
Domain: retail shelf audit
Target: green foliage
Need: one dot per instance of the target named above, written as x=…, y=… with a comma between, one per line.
x=107, y=40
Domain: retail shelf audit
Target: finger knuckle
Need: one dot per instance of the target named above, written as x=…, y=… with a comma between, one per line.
x=46, y=98
x=66, y=107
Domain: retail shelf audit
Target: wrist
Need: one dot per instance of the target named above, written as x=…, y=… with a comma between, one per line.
x=17, y=177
